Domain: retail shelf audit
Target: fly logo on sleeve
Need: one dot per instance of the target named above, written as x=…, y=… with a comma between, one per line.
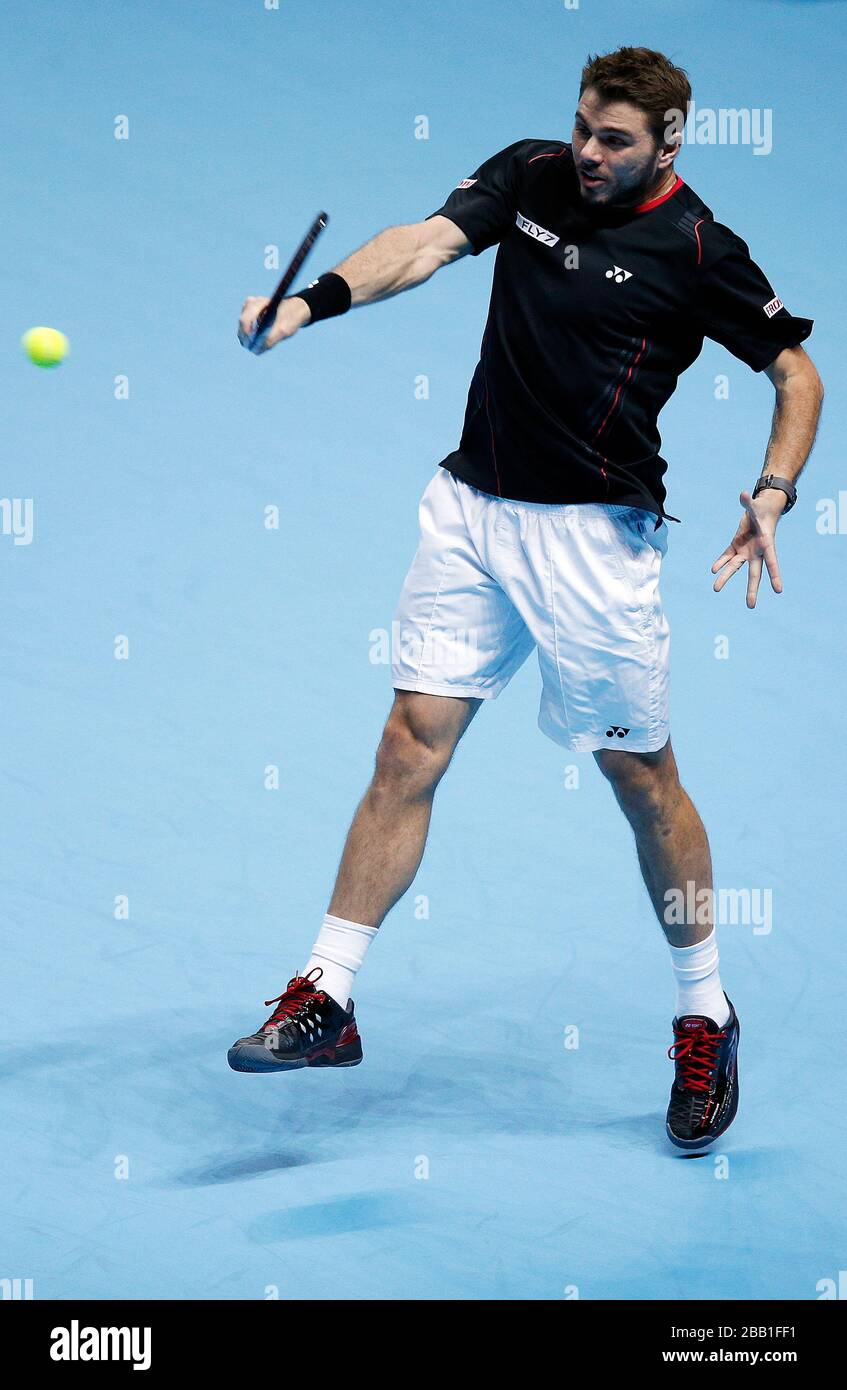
x=466, y=183
x=773, y=307
x=532, y=229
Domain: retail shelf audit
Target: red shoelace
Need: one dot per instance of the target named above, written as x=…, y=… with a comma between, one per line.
x=298, y=993
x=697, y=1055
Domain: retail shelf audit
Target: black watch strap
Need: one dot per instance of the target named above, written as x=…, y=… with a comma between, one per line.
x=781, y=484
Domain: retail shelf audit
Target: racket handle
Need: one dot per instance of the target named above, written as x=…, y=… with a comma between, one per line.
x=268, y=314
x=265, y=319
x=263, y=323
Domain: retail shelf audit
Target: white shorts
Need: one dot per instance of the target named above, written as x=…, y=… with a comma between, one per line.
x=492, y=578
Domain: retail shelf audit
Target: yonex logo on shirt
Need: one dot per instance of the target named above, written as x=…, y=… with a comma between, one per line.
x=571, y=372
x=772, y=307
x=532, y=229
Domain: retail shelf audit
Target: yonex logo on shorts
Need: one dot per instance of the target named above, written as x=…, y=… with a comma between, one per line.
x=773, y=307
x=616, y=731
x=532, y=229
x=466, y=183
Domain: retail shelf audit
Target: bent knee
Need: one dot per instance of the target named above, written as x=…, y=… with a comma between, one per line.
x=645, y=784
x=404, y=758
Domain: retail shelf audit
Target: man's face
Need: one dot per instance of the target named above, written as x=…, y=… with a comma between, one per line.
x=616, y=156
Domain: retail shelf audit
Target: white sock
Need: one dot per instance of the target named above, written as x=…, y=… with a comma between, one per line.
x=339, y=951
x=698, y=982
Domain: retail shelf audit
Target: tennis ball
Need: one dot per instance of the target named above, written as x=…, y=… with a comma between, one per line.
x=46, y=347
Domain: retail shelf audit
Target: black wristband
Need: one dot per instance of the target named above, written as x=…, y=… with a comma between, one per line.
x=326, y=297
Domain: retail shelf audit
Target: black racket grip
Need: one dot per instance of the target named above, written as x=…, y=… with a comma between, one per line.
x=268, y=314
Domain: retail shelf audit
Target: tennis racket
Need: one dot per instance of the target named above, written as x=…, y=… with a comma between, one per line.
x=268, y=314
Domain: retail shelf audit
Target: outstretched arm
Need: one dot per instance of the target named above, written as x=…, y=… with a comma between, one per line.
x=393, y=261
x=799, y=394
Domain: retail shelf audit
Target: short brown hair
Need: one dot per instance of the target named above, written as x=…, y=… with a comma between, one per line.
x=643, y=77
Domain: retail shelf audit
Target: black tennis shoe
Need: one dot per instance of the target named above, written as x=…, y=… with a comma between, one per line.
x=704, y=1095
x=306, y=1029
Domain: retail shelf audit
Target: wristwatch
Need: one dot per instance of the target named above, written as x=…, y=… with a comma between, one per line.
x=782, y=484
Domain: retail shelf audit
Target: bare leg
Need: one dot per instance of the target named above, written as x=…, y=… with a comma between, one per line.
x=673, y=850
x=386, y=840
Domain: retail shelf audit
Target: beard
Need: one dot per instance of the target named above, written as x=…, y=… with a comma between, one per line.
x=619, y=207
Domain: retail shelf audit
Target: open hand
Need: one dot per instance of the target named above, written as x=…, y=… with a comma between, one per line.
x=753, y=544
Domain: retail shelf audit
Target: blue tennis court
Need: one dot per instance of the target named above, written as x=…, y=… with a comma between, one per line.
x=201, y=554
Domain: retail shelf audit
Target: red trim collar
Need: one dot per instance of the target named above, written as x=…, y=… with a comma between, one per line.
x=654, y=202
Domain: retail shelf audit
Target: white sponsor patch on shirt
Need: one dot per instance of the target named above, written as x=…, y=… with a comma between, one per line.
x=533, y=229
x=466, y=183
x=773, y=307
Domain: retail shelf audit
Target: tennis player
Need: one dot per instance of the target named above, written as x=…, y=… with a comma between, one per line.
x=545, y=529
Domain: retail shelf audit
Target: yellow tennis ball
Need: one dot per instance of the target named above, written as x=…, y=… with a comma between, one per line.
x=46, y=347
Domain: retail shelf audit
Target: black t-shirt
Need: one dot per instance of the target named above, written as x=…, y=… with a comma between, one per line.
x=593, y=316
